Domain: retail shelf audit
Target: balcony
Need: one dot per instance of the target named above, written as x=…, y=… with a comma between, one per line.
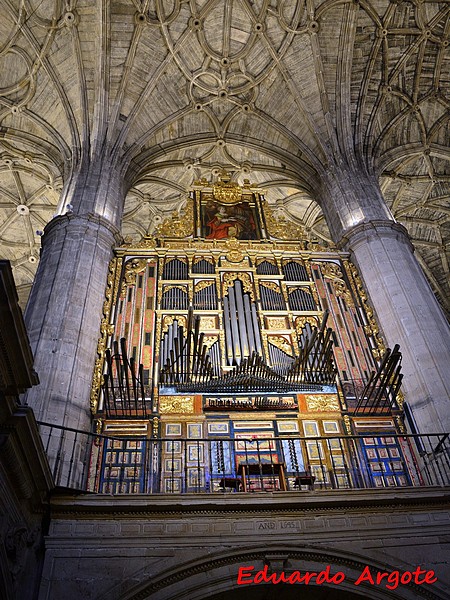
x=136, y=464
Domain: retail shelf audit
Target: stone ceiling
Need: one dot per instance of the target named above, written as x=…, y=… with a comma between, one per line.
x=273, y=90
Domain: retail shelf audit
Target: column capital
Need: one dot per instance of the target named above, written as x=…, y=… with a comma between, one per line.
x=360, y=233
x=88, y=220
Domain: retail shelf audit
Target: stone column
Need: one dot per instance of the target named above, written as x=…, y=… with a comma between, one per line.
x=405, y=305
x=65, y=307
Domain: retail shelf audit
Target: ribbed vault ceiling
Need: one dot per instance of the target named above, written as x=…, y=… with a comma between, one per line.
x=275, y=91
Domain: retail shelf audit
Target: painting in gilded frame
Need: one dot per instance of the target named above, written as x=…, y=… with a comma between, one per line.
x=222, y=221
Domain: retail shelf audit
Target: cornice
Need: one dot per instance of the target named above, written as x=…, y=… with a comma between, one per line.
x=64, y=504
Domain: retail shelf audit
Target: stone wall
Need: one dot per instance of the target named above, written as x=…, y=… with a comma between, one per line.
x=191, y=546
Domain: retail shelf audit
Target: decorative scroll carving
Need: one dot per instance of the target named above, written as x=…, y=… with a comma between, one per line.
x=271, y=286
x=276, y=323
x=132, y=268
x=168, y=320
x=333, y=272
x=347, y=424
x=155, y=427
x=208, y=323
x=177, y=225
x=342, y=290
x=201, y=285
x=234, y=254
x=300, y=323
x=176, y=404
x=174, y=286
x=106, y=329
x=146, y=243
x=210, y=340
x=226, y=191
x=321, y=403
x=372, y=329
x=281, y=343
x=279, y=227
x=400, y=423
x=229, y=278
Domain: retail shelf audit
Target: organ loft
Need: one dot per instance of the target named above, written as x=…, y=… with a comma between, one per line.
x=226, y=223
x=231, y=350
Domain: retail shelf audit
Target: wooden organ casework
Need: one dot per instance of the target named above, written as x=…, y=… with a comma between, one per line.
x=236, y=355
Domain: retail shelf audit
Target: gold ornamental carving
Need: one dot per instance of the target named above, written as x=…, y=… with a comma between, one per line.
x=400, y=424
x=168, y=320
x=210, y=340
x=208, y=323
x=208, y=259
x=229, y=278
x=106, y=329
x=145, y=243
x=342, y=290
x=347, y=424
x=319, y=403
x=271, y=285
x=281, y=343
x=333, y=272
x=371, y=329
x=178, y=225
x=226, y=191
x=275, y=323
x=235, y=256
x=280, y=227
x=300, y=323
x=201, y=285
x=132, y=268
x=176, y=404
x=400, y=399
x=175, y=286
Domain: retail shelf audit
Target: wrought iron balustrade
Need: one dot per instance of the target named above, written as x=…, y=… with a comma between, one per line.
x=136, y=464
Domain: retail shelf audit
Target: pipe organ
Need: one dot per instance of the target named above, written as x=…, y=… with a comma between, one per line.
x=239, y=331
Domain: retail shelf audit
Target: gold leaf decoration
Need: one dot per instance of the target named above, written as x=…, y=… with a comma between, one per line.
x=226, y=191
x=320, y=403
x=201, y=285
x=333, y=271
x=300, y=323
x=176, y=404
x=106, y=329
x=274, y=323
x=178, y=225
x=168, y=320
x=132, y=268
x=229, y=278
x=372, y=328
x=281, y=343
x=279, y=227
x=271, y=285
x=208, y=323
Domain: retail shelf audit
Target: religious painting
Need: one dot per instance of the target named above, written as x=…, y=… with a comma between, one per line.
x=223, y=221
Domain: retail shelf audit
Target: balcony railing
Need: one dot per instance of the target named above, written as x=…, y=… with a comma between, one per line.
x=137, y=464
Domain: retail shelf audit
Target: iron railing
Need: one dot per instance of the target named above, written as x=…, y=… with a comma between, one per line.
x=136, y=464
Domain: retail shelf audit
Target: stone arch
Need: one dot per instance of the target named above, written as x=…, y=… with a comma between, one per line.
x=215, y=577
